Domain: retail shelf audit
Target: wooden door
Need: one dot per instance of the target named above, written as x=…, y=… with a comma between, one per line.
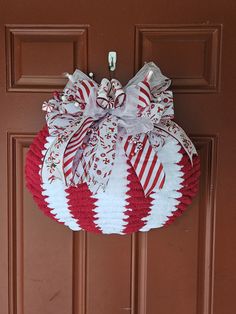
x=186, y=268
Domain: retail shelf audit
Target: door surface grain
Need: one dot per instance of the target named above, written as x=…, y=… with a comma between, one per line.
x=186, y=268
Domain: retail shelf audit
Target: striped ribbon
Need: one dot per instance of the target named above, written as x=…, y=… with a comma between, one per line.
x=72, y=148
x=84, y=90
x=145, y=162
x=144, y=95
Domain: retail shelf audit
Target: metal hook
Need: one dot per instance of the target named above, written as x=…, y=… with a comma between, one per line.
x=112, y=57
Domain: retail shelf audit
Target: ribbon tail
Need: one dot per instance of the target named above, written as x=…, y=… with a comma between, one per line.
x=82, y=174
x=69, y=155
x=179, y=134
x=98, y=157
x=59, y=158
x=145, y=162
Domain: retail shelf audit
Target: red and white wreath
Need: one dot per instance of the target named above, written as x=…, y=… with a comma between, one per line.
x=111, y=159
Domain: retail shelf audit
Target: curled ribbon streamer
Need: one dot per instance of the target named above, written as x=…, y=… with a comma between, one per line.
x=88, y=119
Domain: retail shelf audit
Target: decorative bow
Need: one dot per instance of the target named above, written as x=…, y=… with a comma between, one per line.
x=88, y=121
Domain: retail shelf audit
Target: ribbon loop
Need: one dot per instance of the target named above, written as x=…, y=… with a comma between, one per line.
x=110, y=94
